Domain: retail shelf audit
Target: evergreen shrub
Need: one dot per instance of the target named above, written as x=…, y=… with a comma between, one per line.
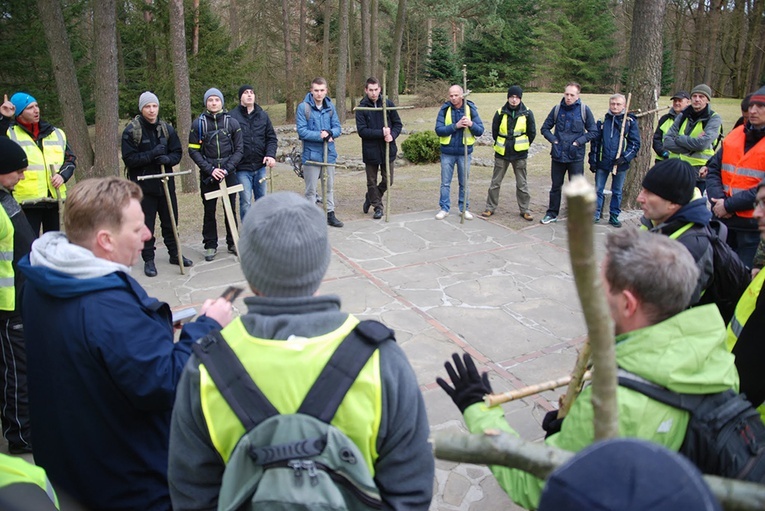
x=422, y=147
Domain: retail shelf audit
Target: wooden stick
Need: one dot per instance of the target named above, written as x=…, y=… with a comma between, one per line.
x=464, y=143
x=512, y=395
x=60, y=202
x=577, y=379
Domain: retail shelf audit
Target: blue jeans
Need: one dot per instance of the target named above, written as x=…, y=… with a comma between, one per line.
x=447, y=173
x=617, y=183
x=249, y=180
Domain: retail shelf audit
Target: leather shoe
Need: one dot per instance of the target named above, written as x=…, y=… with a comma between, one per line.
x=187, y=263
x=149, y=268
x=367, y=204
x=333, y=221
x=378, y=214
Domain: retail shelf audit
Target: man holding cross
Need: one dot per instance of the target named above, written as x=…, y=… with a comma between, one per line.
x=374, y=137
x=216, y=146
x=151, y=146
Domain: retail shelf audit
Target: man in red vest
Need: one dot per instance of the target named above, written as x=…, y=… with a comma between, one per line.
x=734, y=173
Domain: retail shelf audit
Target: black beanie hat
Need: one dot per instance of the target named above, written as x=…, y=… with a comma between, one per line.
x=242, y=89
x=672, y=179
x=12, y=156
x=515, y=90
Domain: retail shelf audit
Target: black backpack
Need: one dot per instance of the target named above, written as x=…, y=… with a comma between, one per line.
x=730, y=278
x=217, y=144
x=725, y=435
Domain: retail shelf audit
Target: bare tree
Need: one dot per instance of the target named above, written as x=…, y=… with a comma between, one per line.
x=195, y=35
x=366, y=39
x=325, y=46
x=303, y=42
x=374, y=36
x=52, y=18
x=398, y=39
x=644, y=81
x=106, y=85
x=288, y=64
x=342, y=60
x=181, y=79
x=233, y=23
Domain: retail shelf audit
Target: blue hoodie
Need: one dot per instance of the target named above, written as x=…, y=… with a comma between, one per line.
x=311, y=121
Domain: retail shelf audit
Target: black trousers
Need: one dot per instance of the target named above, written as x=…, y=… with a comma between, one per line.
x=14, y=409
x=43, y=215
x=558, y=173
x=151, y=206
x=209, y=222
x=376, y=191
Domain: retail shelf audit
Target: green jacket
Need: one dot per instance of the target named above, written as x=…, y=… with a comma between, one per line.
x=686, y=353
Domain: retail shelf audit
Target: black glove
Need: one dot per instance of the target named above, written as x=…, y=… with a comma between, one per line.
x=327, y=137
x=162, y=159
x=593, y=169
x=469, y=386
x=158, y=150
x=551, y=423
x=620, y=161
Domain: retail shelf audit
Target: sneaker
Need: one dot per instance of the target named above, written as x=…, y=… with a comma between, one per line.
x=210, y=254
x=615, y=222
x=441, y=215
x=527, y=217
x=232, y=249
x=468, y=215
x=596, y=220
x=187, y=263
x=367, y=204
x=378, y=214
x=333, y=221
x=487, y=213
x=149, y=268
x=548, y=219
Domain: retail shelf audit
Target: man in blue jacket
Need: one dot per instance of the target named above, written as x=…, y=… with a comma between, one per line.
x=574, y=126
x=317, y=124
x=610, y=150
x=457, y=125
x=102, y=381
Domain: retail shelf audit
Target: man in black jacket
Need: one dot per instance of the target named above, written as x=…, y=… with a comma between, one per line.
x=374, y=137
x=680, y=101
x=151, y=146
x=259, y=141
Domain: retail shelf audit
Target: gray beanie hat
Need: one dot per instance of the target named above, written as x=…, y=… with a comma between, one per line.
x=214, y=92
x=284, y=246
x=704, y=89
x=146, y=98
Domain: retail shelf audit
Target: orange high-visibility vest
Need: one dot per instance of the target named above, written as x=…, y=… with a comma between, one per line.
x=741, y=171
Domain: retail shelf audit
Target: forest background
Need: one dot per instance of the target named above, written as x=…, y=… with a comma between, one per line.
x=87, y=61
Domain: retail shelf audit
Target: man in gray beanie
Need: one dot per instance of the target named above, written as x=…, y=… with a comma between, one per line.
x=513, y=130
x=696, y=133
x=151, y=146
x=284, y=340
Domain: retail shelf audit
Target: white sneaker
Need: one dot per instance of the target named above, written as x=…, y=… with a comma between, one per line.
x=441, y=215
x=468, y=215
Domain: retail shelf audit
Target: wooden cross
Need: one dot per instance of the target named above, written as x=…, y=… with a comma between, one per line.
x=224, y=192
x=324, y=164
x=164, y=176
x=384, y=110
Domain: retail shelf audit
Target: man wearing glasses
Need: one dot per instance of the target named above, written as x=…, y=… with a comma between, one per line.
x=734, y=174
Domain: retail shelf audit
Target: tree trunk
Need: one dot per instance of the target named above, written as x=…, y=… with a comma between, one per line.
x=713, y=41
x=374, y=37
x=68, y=89
x=342, y=60
x=149, y=41
x=398, y=39
x=644, y=82
x=288, y=65
x=303, y=42
x=325, y=46
x=233, y=23
x=366, y=40
x=195, y=34
x=182, y=89
x=106, y=85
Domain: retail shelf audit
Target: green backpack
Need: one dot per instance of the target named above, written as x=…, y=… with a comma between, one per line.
x=298, y=461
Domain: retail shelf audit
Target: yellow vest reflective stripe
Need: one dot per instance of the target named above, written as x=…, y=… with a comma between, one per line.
x=7, y=290
x=36, y=183
x=268, y=362
x=744, y=309
x=15, y=470
x=519, y=133
x=469, y=138
x=699, y=158
x=664, y=128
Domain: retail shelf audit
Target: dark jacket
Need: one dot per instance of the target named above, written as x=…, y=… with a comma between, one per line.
x=512, y=117
x=209, y=153
x=103, y=381
x=740, y=201
x=141, y=162
x=604, y=148
x=23, y=236
x=658, y=135
x=569, y=128
x=369, y=125
x=694, y=239
x=258, y=137
x=456, y=146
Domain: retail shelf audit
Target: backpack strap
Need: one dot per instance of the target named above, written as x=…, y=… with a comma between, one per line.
x=234, y=383
x=687, y=402
x=342, y=369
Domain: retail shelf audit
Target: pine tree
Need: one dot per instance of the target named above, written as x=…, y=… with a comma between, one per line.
x=442, y=62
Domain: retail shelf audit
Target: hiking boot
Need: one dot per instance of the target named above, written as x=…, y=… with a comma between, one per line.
x=149, y=268
x=210, y=254
x=187, y=263
x=367, y=204
x=615, y=222
x=548, y=219
x=468, y=215
x=333, y=221
x=378, y=214
x=441, y=215
x=232, y=249
x=487, y=213
x=527, y=217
